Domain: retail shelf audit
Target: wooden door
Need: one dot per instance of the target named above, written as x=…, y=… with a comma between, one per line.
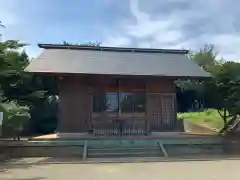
x=132, y=112
x=168, y=111
x=105, y=111
x=161, y=112
x=154, y=112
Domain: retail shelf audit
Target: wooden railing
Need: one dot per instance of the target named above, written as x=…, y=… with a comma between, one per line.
x=119, y=132
x=119, y=127
x=113, y=124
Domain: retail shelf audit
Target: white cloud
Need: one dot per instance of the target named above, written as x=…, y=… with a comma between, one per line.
x=144, y=44
x=150, y=24
x=116, y=41
x=145, y=26
x=148, y=32
x=228, y=45
x=201, y=22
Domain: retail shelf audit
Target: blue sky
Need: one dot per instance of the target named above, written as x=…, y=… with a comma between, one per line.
x=133, y=23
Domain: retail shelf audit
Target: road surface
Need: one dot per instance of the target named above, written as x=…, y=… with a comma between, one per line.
x=185, y=170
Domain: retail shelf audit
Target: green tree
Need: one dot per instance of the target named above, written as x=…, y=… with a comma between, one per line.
x=15, y=118
x=227, y=79
x=205, y=58
x=222, y=90
x=27, y=89
x=195, y=89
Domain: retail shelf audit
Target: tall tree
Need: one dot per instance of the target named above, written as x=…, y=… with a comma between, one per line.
x=191, y=90
x=220, y=92
x=205, y=58
x=34, y=91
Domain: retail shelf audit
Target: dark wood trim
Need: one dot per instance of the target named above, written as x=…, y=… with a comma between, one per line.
x=175, y=109
x=62, y=74
x=118, y=98
x=91, y=110
x=116, y=49
x=146, y=114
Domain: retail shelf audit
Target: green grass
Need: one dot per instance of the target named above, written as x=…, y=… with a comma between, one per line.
x=210, y=117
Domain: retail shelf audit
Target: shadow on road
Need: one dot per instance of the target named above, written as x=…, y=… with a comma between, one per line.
x=15, y=164
x=26, y=163
x=35, y=178
x=50, y=160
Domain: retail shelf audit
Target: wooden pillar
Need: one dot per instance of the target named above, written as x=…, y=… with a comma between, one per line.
x=146, y=114
x=175, y=110
x=90, y=105
x=118, y=98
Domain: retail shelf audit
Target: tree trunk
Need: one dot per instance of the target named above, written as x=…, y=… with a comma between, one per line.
x=229, y=123
x=225, y=116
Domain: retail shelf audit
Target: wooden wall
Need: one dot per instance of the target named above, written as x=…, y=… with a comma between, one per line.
x=75, y=93
x=160, y=85
x=75, y=105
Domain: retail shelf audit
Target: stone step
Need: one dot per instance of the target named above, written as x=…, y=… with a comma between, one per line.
x=124, y=151
x=101, y=154
x=145, y=151
x=112, y=148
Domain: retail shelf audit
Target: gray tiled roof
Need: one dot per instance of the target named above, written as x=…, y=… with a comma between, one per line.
x=88, y=61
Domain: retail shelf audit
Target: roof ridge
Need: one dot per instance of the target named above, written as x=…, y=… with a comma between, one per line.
x=116, y=49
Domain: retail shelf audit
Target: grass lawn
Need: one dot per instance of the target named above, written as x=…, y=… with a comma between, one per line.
x=208, y=117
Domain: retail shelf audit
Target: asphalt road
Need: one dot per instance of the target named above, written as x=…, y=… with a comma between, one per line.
x=185, y=170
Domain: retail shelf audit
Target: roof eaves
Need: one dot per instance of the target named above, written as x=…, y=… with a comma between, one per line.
x=116, y=49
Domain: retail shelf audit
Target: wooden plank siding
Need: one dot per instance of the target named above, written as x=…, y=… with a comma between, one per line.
x=75, y=105
x=76, y=98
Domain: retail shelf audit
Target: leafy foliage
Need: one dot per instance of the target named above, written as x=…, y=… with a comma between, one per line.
x=25, y=89
x=15, y=117
x=205, y=58
x=89, y=44
x=222, y=91
x=227, y=80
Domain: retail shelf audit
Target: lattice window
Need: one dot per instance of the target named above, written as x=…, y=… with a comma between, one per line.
x=168, y=111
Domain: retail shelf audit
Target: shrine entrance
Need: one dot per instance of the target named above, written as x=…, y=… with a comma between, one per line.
x=119, y=109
